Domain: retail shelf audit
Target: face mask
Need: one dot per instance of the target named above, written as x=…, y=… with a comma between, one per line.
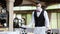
x=39, y=8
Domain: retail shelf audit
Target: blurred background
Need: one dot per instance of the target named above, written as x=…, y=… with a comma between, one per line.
x=22, y=13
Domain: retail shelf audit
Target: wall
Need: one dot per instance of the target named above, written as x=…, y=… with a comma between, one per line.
x=58, y=20
x=53, y=21
x=29, y=18
x=54, y=18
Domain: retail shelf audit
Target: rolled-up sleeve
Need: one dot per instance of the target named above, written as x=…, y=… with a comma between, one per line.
x=46, y=19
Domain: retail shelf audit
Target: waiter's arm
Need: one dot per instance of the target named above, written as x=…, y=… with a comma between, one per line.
x=46, y=19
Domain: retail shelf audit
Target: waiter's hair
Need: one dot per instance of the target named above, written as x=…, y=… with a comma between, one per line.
x=38, y=3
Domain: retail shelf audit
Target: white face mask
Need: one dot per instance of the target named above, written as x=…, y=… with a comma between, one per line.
x=39, y=8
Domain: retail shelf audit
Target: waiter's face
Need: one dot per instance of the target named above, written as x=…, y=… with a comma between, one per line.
x=38, y=5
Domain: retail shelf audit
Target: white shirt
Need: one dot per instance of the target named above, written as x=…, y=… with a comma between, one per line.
x=38, y=13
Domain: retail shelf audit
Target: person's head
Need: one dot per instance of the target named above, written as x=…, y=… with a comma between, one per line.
x=38, y=5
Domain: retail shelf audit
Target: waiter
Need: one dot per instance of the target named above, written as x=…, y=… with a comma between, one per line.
x=41, y=20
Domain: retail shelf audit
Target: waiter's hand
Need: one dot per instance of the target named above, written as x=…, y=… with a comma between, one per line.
x=26, y=26
x=48, y=30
